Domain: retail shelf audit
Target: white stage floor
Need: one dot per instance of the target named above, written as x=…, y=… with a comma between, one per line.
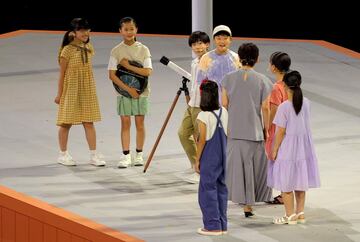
x=158, y=205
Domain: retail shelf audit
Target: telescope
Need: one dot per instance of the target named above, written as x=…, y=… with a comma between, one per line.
x=186, y=76
x=164, y=60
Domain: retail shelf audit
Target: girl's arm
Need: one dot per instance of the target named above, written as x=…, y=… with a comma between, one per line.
x=265, y=107
x=224, y=99
x=276, y=101
x=63, y=66
x=278, y=139
x=200, y=144
x=141, y=71
x=273, y=109
x=113, y=77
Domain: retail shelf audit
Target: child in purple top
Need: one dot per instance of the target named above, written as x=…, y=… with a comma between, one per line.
x=293, y=168
x=215, y=64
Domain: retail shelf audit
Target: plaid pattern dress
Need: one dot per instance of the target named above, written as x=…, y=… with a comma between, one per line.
x=78, y=102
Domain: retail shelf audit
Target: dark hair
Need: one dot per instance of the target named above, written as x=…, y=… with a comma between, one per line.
x=292, y=80
x=75, y=25
x=209, y=96
x=79, y=23
x=281, y=61
x=248, y=54
x=198, y=36
x=127, y=20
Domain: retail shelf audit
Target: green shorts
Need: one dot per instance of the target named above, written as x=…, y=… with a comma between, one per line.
x=131, y=106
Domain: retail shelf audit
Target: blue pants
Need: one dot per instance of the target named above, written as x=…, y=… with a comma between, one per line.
x=213, y=194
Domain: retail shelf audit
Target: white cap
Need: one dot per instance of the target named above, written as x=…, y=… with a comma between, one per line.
x=219, y=28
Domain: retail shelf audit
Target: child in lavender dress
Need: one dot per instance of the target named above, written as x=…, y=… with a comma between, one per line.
x=293, y=168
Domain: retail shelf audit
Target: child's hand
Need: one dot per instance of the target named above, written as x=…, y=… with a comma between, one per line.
x=57, y=99
x=197, y=167
x=133, y=92
x=274, y=154
x=125, y=63
x=266, y=134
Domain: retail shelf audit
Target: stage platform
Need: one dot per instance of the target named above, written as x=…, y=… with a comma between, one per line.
x=159, y=206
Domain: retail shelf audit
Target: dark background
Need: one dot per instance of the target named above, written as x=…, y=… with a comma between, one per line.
x=337, y=23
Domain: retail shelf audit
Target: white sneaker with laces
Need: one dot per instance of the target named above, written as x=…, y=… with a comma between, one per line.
x=66, y=159
x=139, y=160
x=125, y=161
x=97, y=159
x=193, y=178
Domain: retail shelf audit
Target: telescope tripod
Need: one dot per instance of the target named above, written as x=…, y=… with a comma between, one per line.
x=184, y=89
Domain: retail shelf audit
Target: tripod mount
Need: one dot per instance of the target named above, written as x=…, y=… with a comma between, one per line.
x=184, y=89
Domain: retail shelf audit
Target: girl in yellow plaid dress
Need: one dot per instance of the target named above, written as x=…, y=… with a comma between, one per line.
x=77, y=99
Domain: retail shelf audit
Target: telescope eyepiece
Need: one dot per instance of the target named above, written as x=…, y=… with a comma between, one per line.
x=164, y=60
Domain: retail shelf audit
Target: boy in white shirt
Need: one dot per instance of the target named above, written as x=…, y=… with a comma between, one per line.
x=199, y=43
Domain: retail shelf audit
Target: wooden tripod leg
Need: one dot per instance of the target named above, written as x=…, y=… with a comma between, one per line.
x=161, y=131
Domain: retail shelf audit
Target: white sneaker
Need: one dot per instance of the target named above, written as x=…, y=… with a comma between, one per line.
x=139, y=161
x=66, y=159
x=193, y=178
x=125, y=161
x=97, y=159
x=209, y=232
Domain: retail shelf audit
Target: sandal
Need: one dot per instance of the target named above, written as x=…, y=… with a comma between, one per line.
x=277, y=200
x=285, y=220
x=248, y=213
x=302, y=219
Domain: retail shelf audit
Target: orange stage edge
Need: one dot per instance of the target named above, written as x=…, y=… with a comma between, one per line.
x=23, y=218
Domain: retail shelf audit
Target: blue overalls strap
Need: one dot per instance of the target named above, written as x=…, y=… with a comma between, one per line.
x=218, y=118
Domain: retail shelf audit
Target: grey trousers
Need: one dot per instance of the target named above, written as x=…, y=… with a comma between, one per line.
x=246, y=172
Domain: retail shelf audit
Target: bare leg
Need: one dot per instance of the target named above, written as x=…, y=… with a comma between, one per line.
x=140, y=131
x=63, y=136
x=125, y=132
x=247, y=208
x=90, y=135
x=300, y=202
x=288, y=198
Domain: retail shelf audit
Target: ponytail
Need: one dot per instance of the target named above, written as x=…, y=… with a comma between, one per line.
x=297, y=99
x=292, y=79
x=68, y=37
x=248, y=62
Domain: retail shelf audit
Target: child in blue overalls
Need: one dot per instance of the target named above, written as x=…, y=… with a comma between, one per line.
x=210, y=160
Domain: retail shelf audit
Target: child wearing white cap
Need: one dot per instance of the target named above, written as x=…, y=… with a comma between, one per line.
x=224, y=28
x=215, y=64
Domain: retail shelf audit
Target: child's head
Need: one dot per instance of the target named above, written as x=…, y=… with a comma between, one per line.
x=199, y=42
x=222, y=38
x=209, y=96
x=128, y=29
x=248, y=54
x=292, y=81
x=79, y=30
x=279, y=62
